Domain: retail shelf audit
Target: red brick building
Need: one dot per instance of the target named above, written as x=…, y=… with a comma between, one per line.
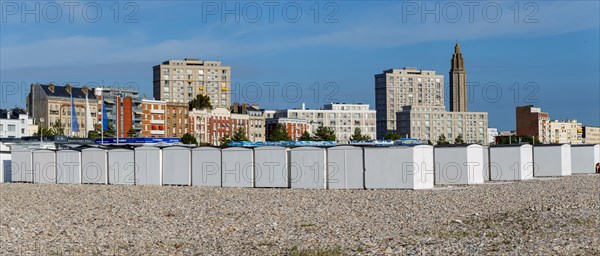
x=531, y=121
x=294, y=127
x=153, y=119
x=176, y=119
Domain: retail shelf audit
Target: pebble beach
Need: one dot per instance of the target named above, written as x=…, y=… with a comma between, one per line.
x=541, y=216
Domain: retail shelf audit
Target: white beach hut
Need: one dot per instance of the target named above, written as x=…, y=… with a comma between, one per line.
x=399, y=167
x=176, y=168
x=21, y=165
x=552, y=160
x=308, y=167
x=68, y=166
x=271, y=167
x=121, y=166
x=148, y=165
x=584, y=158
x=237, y=169
x=459, y=164
x=345, y=167
x=44, y=164
x=206, y=167
x=511, y=162
x=93, y=166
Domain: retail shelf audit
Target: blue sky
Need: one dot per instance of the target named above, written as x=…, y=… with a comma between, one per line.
x=546, y=54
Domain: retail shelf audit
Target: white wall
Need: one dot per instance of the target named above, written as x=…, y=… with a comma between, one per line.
x=584, y=158
x=552, y=160
x=511, y=162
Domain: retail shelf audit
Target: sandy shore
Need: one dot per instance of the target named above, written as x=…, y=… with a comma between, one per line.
x=541, y=216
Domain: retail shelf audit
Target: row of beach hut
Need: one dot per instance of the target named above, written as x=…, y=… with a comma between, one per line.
x=339, y=167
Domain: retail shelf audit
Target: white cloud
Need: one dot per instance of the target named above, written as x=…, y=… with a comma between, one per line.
x=372, y=28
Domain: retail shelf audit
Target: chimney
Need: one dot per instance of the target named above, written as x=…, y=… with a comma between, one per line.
x=85, y=89
x=51, y=87
x=303, y=106
x=69, y=88
x=244, y=109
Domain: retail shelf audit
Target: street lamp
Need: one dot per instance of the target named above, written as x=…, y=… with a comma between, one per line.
x=41, y=131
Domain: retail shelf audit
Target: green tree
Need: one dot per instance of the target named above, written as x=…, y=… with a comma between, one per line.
x=358, y=135
x=58, y=129
x=324, y=133
x=429, y=142
x=110, y=132
x=442, y=140
x=96, y=133
x=306, y=136
x=43, y=131
x=188, y=139
x=132, y=133
x=459, y=139
x=390, y=135
x=239, y=135
x=224, y=141
x=279, y=134
x=201, y=101
x=530, y=140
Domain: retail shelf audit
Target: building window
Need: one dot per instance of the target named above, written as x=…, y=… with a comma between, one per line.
x=11, y=128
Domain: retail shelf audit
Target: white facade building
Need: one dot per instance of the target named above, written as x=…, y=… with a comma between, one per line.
x=14, y=123
x=569, y=131
x=342, y=118
x=428, y=123
x=182, y=80
x=395, y=88
x=492, y=133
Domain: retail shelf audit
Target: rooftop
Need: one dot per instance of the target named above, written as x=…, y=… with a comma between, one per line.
x=61, y=91
x=12, y=113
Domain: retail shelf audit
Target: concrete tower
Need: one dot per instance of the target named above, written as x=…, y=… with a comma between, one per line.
x=458, y=82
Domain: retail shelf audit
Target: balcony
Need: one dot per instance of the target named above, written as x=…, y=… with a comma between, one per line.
x=157, y=121
x=154, y=132
x=157, y=111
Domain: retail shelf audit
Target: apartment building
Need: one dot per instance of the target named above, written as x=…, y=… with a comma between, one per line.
x=269, y=113
x=568, y=131
x=14, y=123
x=341, y=117
x=153, y=118
x=428, y=123
x=182, y=80
x=123, y=110
x=176, y=119
x=211, y=125
x=49, y=103
x=492, y=133
x=395, y=88
x=531, y=121
x=591, y=135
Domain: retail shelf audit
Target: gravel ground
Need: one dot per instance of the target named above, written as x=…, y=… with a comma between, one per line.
x=541, y=216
